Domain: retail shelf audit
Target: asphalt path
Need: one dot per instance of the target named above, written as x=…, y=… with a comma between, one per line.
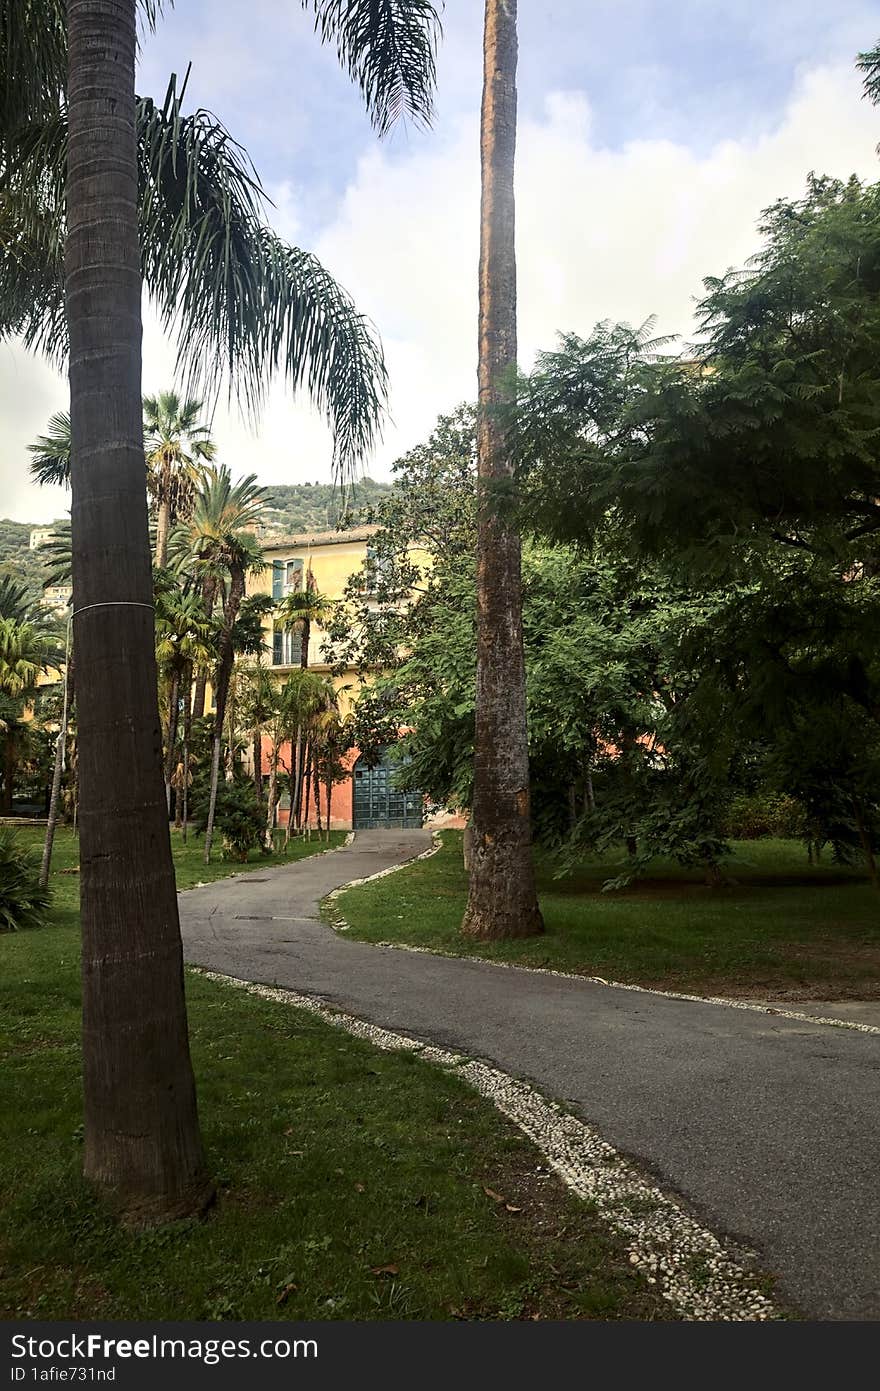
x=768, y=1127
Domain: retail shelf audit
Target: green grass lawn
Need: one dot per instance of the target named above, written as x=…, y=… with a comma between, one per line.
x=781, y=929
x=352, y=1183
x=189, y=860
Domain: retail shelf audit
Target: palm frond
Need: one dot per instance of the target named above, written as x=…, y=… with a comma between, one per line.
x=15, y=600
x=869, y=64
x=241, y=303
x=389, y=49
x=51, y=461
x=33, y=56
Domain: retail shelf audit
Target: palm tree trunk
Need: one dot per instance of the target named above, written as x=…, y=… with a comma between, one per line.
x=224, y=673
x=9, y=765
x=270, y=806
x=307, y=794
x=867, y=848
x=57, y=774
x=163, y=515
x=187, y=727
x=209, y=597
x=296, y=800
x=502, y=900
x=200, y=694
x=317, y=781
x=173, y=700
x=258, y=761
x=329, y=799
x=142, y=1144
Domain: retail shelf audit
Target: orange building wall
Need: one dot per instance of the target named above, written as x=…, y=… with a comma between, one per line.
x=341, y=799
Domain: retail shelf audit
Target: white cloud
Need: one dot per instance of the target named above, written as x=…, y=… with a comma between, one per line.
x=602, y=233
x=619, y=234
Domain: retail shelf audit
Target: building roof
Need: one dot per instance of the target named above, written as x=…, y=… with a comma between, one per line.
x=307, y=539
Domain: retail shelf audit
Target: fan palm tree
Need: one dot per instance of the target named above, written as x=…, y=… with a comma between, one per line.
x=184, y=637
x=24, y=656
x=259, y=705
x=186, y=218
x=177, y=448
x=217, y=544
x=50, y=465
x=298, y=611
x=502, y=899
x=15, y=601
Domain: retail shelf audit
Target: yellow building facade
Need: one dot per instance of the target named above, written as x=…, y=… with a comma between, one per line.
x=368, y=798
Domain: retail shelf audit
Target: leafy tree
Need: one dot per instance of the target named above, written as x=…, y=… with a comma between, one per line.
x=752, y=476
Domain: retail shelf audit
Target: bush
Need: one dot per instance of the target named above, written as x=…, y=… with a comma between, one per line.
x=238, y=818
x=765, y=814
x=23, y=903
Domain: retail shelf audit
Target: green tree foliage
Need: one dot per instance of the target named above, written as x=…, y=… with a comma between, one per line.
x=750, y=475
x=237, y=815
x=23, y=903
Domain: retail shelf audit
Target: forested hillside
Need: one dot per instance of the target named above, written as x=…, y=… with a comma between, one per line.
x=293, y=508
x=15, y=556
x=296, y=507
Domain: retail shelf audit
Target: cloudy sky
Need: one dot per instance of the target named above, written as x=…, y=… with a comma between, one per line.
x=652, y=132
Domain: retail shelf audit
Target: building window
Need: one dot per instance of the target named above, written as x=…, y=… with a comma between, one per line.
x=287, y=577
x=377, y=570
x=287, y=647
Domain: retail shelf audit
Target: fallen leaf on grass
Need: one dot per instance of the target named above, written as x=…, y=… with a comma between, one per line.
x=359, y=1188
x=510, y=1208
x=285, y=1294
x=496, y=1197
x=384, y=1270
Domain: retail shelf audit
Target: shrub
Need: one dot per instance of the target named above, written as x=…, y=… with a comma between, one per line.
x=23, y=903
x=239, y=818
x=765, y=814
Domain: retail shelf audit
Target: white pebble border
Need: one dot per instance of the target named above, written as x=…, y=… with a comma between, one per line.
x=688, y=1265
x=340, y=925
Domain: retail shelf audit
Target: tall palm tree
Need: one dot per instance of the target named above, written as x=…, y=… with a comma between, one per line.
x=502, y=899
x=297, y=612
x=248, y=304
x=177, y=448
x=184, y=636
x=142, y=1141
x=259, y=705
x=218, y=544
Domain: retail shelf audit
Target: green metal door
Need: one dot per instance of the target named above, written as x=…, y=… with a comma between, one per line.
x=377, y=803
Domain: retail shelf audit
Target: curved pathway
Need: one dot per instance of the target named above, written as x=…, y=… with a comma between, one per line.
x=769, y=1127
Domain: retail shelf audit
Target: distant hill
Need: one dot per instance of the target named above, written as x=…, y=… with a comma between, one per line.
x=297, y=507
x=292, y=508
x=16, y=557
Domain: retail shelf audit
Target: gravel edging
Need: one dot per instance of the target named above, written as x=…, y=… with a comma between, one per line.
x=335, y=920
x=691, y=1268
